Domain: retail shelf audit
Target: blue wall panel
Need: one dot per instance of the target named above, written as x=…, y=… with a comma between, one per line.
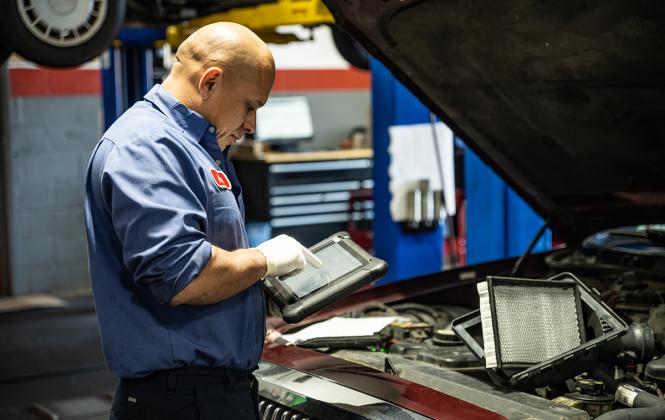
x=408, y=254
x=485, y=211
x=523, y=225
x=499, y=223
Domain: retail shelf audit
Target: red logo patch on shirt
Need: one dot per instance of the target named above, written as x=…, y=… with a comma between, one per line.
x=220, y=179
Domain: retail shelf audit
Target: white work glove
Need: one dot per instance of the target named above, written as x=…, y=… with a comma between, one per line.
x=285, y=255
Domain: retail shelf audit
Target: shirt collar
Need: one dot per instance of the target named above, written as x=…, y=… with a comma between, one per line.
x=193, y=123
x=197, y=128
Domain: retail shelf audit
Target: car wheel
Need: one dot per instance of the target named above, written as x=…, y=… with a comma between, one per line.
x=350, y=49
x=61, y=33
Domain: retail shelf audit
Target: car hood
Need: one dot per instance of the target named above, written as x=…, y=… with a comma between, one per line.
x=564, y=99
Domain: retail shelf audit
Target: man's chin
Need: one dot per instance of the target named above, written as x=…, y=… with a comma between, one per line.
x=226, y=142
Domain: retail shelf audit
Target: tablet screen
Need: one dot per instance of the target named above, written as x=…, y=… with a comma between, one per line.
x=337, y=261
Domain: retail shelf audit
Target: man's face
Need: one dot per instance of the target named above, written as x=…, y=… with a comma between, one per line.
x=233, y=106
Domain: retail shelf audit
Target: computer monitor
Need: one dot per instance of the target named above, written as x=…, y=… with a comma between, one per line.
x=284, y=121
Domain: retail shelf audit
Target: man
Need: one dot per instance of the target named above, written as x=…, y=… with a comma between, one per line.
x=180, y=309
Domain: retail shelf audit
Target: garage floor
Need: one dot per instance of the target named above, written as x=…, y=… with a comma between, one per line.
x=51, y=364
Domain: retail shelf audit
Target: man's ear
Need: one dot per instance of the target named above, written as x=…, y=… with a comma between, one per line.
x=210, y=80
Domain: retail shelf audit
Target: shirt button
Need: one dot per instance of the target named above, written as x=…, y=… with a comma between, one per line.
x=219, y=162
x=211, y=129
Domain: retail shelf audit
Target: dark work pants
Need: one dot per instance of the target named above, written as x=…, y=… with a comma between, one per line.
x=183, y=395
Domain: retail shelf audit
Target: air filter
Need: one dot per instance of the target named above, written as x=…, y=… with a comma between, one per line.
x=528, y=321
x=532, y=333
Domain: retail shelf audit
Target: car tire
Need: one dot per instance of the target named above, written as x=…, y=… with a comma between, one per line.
x=350, y=49
x=61, y=34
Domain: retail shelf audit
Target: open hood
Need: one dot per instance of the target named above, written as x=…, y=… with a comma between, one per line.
x=564, y=99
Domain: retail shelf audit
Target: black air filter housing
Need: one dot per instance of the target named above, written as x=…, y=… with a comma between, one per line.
x=533, y=332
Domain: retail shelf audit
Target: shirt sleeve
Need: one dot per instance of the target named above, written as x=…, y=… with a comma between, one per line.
x=157, y=203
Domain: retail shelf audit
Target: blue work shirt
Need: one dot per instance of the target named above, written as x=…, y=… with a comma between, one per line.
x=158, y=193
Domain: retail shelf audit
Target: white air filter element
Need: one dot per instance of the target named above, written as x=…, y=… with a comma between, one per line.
x=529, y=324
x=488, y=329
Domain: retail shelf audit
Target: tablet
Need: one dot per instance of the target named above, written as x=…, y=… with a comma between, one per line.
x=346, y=268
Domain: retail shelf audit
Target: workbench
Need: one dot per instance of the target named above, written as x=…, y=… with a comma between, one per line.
x=308, y=195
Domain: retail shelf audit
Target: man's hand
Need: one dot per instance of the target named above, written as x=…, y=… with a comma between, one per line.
x=228, y=273
x=285, y=255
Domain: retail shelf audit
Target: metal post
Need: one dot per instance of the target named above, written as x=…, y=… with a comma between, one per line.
x=5, y=284
x=112, y=85
x=127, y=73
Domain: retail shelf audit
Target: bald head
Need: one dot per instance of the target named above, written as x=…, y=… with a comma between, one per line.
x=226, y=45
x=225, y=72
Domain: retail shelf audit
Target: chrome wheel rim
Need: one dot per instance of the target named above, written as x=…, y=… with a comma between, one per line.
x=63, y=23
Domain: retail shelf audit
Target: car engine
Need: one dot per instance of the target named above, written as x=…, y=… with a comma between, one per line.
x=617, y=372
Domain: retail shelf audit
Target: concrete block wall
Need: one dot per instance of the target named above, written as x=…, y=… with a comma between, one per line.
x=53, y=129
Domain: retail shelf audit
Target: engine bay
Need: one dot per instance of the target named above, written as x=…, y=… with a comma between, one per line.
x=621, y=377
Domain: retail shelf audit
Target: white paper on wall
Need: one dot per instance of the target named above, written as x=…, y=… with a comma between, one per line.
x=413, y=157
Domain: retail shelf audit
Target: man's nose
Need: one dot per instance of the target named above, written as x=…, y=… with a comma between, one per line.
x=250, y=123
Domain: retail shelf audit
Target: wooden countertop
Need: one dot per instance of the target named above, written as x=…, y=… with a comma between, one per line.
x=286, y=157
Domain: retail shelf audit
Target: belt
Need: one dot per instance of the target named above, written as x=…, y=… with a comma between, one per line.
x=193, y=375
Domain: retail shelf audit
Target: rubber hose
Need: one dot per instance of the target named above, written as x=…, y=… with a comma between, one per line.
x=378, y=307
x=645, y=399
x=644, y=413
x=600, y=372
x=645, y=407
x=423, y=312
x=416, y=307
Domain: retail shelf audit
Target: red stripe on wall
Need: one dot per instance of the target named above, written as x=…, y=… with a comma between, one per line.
x=305, y=80
x=49, y=82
